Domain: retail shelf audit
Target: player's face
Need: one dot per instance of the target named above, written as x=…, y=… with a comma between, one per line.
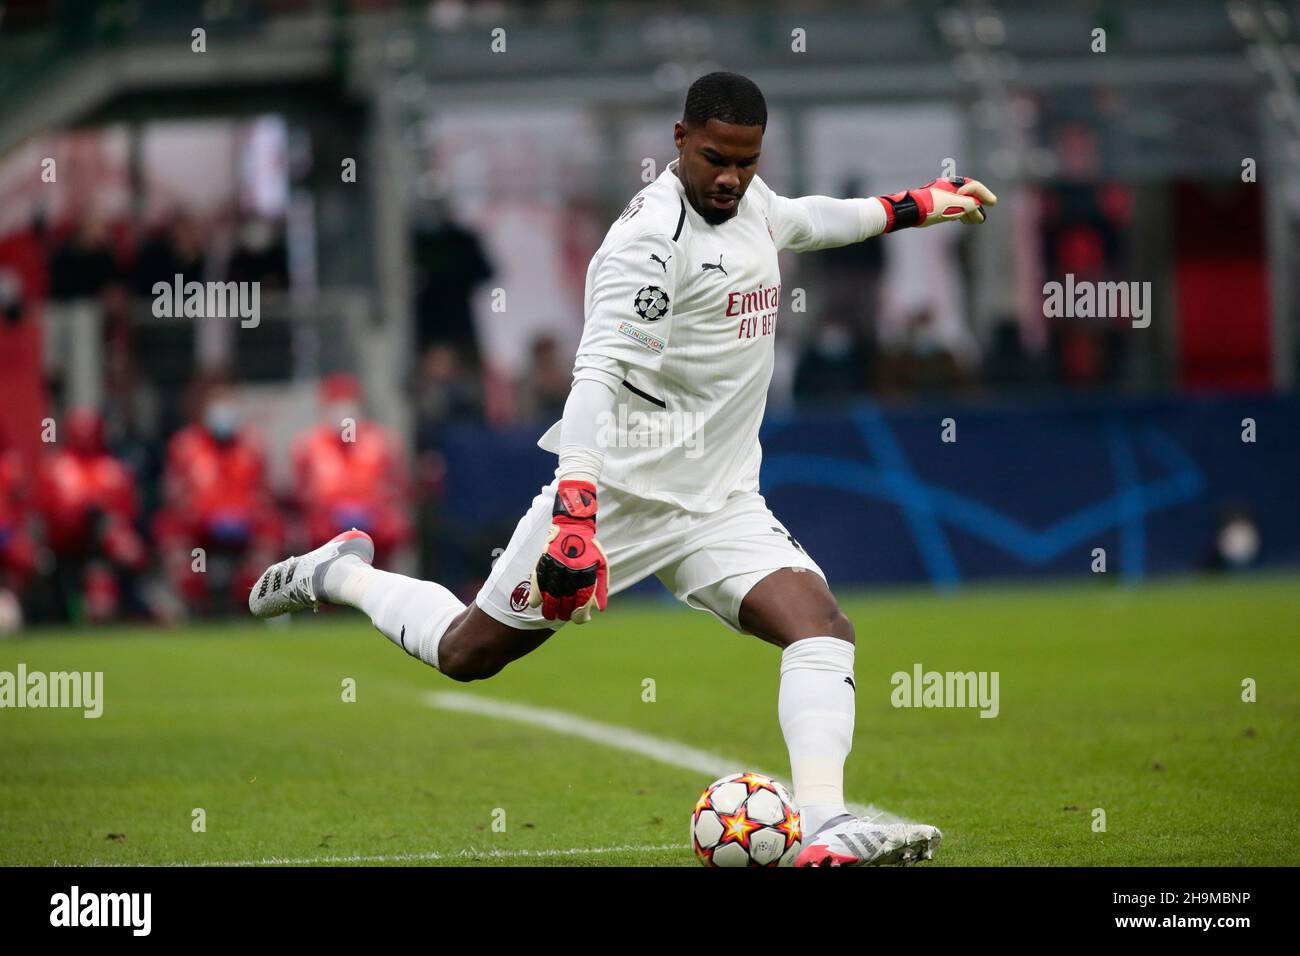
x=717, y=161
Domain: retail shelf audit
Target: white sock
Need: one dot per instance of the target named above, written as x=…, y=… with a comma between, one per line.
x=411, y=613
x=817, y=706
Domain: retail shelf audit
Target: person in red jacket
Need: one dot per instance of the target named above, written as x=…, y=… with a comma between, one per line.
x=350, y=473
x=216, y=498
x=88, y=504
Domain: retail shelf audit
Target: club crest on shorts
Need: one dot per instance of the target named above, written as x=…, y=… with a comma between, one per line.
x=519, y=596
x=651, y=303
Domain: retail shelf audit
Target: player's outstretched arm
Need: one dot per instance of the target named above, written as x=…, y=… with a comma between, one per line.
x=809, y=223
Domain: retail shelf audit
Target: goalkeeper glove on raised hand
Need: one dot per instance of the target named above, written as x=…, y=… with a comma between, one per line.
x=572, y=574
x=942, y=200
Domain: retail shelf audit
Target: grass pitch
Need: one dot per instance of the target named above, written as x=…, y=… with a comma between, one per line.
x=1125, y=700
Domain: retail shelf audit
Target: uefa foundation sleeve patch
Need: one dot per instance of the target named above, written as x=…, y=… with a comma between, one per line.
x=641, y=337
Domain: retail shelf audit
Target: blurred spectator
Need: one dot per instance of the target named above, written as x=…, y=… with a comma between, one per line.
x=1087, y=352
x=446, y=392
x=1006, y=362
x=216, y=498
x=260, y=255
x=933, y=364
x=924, y=360
x=88, y=502
x=544, y=387
x=450, y=264
x=835, y=364
x=350, y=474
x=850, y=275
x=1083, y=236
x=177, y=248
x=85, y=262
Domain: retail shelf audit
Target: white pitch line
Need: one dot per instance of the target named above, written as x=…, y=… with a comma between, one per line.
x=668, y=752
x=433, y=856
x=620, y=738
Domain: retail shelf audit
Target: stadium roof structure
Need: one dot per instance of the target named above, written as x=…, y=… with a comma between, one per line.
x=634, y=54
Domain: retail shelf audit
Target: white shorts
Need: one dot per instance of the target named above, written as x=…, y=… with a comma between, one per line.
x=709, y=561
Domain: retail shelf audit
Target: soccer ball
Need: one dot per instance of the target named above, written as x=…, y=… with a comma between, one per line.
x=746, y=819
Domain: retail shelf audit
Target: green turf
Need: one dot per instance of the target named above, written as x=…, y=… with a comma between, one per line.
x=1127, y=700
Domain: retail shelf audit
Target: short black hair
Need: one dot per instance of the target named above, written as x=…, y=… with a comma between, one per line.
x=728, y=97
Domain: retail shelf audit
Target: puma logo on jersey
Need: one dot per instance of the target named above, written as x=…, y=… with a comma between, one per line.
x=662, y=262
x=706, y=266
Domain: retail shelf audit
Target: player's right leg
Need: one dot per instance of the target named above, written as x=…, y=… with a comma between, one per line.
x=425, y=619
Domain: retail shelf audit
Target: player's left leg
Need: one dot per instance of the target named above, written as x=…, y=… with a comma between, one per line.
x=793, y=604
x=747, y=570
x=794, y=609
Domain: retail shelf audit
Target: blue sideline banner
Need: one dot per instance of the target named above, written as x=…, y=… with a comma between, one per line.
x=1019, y=489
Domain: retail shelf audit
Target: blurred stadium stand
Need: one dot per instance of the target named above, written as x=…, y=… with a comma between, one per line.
x=479, y=171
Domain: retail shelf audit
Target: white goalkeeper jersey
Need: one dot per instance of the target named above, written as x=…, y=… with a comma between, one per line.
x=689, y=310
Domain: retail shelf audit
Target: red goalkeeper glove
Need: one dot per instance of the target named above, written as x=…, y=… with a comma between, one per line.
x=942, y=200
x=572, y=574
